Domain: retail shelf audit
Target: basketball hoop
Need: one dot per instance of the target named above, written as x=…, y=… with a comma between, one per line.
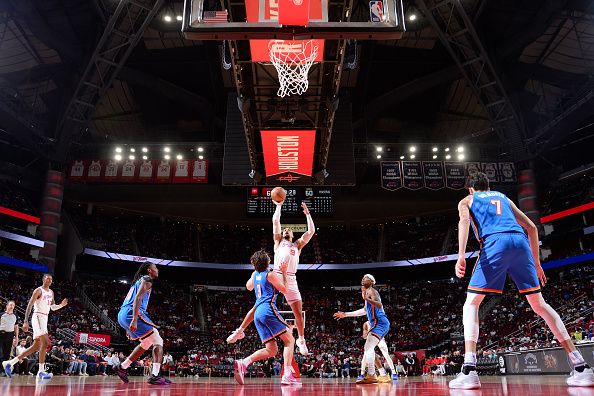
x=292, y=61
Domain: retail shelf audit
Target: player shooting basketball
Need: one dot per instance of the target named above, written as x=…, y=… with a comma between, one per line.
x=285, y=250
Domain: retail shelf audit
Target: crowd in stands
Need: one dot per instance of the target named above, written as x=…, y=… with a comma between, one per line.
x=567, y=194
x=15, y=198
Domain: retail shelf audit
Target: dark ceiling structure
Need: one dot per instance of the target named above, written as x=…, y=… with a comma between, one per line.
x=512, y=76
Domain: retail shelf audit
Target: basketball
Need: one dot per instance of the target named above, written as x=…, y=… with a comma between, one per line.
x=278, y=194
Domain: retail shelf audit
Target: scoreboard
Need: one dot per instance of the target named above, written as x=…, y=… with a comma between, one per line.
x=318, y=200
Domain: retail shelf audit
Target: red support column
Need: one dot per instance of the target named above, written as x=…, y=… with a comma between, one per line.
x=527, y=196
x=51, y=209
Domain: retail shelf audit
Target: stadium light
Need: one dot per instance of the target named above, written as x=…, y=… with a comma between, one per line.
x=379, y=149
x=166, y=149
x=448, y=157
x=402, y=157
x=200, y=149
x=460, y=149
x=118, y=149
x=167, y=18
x=179, y=18
x=412, y=156
x=447, y=149
x=412, y=149
x=144, y=157
x=435, y=157
x=412, y=17
x=144, y=150
x=379, y=156
x=132, y=157
x=179, y=157
x=166, y=156
x=132, y=150
x=118, y=157
x=201, y=157
x=434, y=149
x=460, y=157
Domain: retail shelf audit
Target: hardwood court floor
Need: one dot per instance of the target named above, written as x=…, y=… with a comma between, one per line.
x=532, y=385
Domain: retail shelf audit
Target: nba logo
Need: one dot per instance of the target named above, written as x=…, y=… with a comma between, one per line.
x=376, y=11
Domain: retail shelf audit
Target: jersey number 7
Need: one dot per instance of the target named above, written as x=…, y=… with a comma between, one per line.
x=497, y=203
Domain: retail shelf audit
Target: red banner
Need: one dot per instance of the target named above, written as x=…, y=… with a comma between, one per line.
x=259, y=48
x=94, y=171
x=110, y=172
x=93, y=339
x=181, y=171
x=293, y=12
x=129, y=171
x=163, y=172
x=146, y=171
x=77, y=170
x=288, y=151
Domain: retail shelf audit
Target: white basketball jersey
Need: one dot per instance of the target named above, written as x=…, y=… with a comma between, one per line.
x=287, y=251
x=43, y=303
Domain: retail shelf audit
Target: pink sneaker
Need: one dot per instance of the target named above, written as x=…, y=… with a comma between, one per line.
x=239, y=369
x=289, y=379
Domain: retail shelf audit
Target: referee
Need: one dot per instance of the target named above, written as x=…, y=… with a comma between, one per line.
x=9, y=333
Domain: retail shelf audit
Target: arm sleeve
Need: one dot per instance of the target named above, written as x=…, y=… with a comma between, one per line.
x=359, y=312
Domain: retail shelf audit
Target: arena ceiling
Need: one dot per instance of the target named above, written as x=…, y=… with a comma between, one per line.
x=173, y=90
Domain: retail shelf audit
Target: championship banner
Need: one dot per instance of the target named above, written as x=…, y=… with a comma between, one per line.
x=77, y=170
x=92, y=339
x=433, y=175
x=490, y=169
x=507, y=172
x=391, y=175
x=412, y=175
x=163, y=172
x=288, y=151
x=145, y=173
x=94, y=171
x=473, y=167
x=128, y=171
x=200, y=171
x=268, y=11
x=181, y=172
x=111, y=171
x=455, y=178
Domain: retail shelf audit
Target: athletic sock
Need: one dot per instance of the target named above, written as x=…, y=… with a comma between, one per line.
x=470, y=358
x=247, y=361
x=576, y=358
x=41, y=368
x=467, y=368
x=126, y=364
x=382, y=371
x=156, y=369
x=14, y=361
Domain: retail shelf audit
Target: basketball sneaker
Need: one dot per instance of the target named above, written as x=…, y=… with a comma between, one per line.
x=384, y=379
x=156, y=380
x=394, y=377
x=301, y=346
x=123, y=375
x=42, y=375
x=360, y=377
x=237, y=335
x=584, y=378
x=466, y=381
x=7, y=368
x=239, y=370
x=289, y=379
x=368, y=379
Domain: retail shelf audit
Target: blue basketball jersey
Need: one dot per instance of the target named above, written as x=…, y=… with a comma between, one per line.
x=375, y=315
x=133, y=292
x=491, y=213
x=265, y=292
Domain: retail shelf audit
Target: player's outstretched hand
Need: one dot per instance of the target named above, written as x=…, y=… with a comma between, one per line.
x=64, y=302
x=278, y=203
x=460, y=267
x=305, y=209
x=284, y=266
x=541, y=275
x=339, y=315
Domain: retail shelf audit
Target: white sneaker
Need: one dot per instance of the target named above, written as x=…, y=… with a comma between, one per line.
x=237, y=335
x=466, y=381
x=302, y=347
x=585, y=378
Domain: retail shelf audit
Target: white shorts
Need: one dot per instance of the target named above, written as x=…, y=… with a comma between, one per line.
x=39, y=324
x=292, y=295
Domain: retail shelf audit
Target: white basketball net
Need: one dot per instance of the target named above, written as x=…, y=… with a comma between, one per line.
x=292, y=61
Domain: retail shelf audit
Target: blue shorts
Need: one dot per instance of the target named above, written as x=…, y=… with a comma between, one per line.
x=144, y=328
x=502, y=254
x=381, y=328
x=269, y=323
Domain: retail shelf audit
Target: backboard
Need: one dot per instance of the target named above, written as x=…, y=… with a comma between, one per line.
x=258, y=19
